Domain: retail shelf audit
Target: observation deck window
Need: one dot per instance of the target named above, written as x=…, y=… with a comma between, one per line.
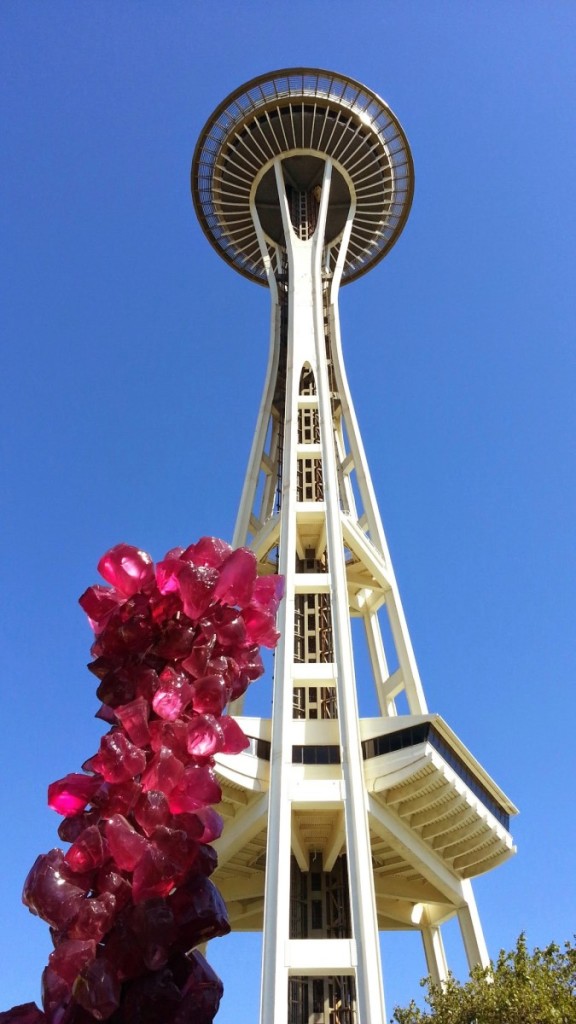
x=425, y=732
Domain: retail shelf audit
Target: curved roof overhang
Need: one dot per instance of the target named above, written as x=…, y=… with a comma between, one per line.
x=308, y=114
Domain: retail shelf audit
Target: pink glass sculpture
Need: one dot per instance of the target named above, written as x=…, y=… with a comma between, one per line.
x=131, y=898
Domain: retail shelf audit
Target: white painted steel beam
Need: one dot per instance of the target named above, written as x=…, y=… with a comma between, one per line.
x=472, y=934
x=416, y=852
x=242, y=829
x=435, y=954
x=318, y=957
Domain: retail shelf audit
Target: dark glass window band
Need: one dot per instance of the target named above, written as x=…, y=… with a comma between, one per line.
x=424, y=732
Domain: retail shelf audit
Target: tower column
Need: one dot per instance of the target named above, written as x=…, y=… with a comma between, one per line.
x=434, y=953
x=471, y=928
x=306, y=344
x=370, y=990
x=274, y=989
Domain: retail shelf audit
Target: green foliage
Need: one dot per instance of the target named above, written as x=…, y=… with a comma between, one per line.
x=520, y=988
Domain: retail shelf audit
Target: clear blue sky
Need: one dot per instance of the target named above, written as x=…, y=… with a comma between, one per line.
x=133, y=359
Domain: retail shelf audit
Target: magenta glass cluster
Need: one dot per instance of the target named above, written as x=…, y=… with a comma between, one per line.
x=131, y=898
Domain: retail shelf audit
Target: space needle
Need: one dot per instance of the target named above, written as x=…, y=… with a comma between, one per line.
x=337, y=827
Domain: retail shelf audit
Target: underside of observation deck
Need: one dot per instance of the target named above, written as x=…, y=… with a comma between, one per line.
x=303, y=116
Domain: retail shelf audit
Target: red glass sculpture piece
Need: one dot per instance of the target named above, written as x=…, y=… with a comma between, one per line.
x=127, y=569
x=71, y=794
x=131, y=898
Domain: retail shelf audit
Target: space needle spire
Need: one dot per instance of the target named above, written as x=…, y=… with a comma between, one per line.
x=337, y=827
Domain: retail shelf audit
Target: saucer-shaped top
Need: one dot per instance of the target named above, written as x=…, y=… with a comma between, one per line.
x=302, y=115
